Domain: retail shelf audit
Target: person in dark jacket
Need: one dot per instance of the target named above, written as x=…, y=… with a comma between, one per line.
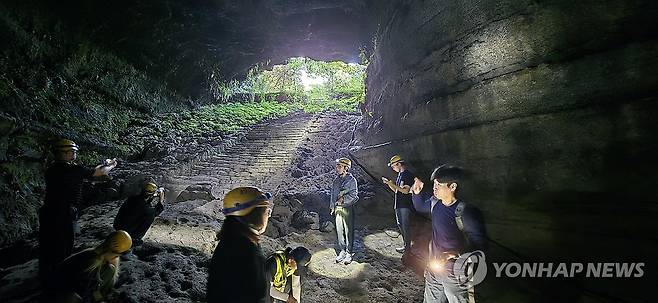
x=57, y=216
x=284, y=271
x=88, y=275
x=137, y=213
x=237, y=269
x=457, y=230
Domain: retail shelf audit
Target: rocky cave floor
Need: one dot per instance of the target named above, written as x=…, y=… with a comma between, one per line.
x=293, y=158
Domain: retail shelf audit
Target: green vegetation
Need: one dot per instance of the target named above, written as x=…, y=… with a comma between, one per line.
x=300, y=85
x=315, y=85
x=230, y=117
x=57, y=82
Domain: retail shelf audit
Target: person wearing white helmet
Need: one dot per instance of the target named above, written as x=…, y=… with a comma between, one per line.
x=57, y=216
x=344, y=195
x=237, y=269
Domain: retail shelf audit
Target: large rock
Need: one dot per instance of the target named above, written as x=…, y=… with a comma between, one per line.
x=196, y=192
x=304, y=219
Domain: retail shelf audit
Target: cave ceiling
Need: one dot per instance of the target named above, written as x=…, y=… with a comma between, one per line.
x=183, y=42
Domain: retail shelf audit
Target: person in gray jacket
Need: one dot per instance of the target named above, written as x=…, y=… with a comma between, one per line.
x=344, y=195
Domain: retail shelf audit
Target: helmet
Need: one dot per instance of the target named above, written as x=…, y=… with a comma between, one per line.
x=150, y=187
x=241, y=201
x=395, y=159
x=301, y=255
x=344, y=161
x=65, y=145
x=118, y=241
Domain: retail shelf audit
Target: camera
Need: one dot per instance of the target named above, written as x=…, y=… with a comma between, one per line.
x=158, y=191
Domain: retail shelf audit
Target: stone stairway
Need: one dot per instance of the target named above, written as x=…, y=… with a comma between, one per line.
x=259, y=158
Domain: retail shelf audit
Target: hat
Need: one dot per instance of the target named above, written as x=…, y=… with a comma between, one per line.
x=395, y=159
x=344, y=161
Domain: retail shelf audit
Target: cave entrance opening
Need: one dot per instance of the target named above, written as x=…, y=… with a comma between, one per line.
x=303, y=84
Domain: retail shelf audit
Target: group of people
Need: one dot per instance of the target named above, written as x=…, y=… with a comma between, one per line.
x=238, y=271
x=88, y=275
x=457, y=226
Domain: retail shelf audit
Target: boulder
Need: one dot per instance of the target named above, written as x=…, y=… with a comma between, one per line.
x=304, y=219
x=196, y=192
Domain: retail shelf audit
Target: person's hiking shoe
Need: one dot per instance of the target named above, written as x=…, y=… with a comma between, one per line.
x=341, y=256
x=347, y=259
x=400, y=249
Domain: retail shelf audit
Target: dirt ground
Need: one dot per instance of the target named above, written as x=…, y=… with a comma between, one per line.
x=291, y=157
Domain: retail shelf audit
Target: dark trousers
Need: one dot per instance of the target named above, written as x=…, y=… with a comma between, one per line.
x=56, y=238
x=403, y=218
x=137, y=226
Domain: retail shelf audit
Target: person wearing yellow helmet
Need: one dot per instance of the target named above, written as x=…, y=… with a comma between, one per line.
x=138, y=212
x=57, y=216
x=284, y=270
x=403, y=206
x=91, y=273
x=237, y=269
x=344, y=195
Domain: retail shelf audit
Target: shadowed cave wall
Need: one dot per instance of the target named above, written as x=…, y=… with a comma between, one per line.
x=548, y=104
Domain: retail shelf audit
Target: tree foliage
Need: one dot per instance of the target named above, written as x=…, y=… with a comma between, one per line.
x=336, y=82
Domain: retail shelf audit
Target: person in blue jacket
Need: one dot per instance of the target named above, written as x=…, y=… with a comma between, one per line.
x=457, y=228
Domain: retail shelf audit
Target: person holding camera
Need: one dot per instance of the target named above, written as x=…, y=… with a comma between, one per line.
x=58, y=215
x=138, y=212
x=401, y=188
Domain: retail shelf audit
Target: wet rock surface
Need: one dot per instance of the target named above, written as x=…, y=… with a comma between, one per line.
x=535, y=100
x=171, y=265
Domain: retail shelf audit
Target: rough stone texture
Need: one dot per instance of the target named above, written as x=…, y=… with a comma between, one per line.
x=549, y=106
x=192, y=44
x=171, y=265
x=196, y=192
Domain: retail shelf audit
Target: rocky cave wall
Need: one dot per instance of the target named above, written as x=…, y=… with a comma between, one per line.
x=548, y=104
x=90, y=70
x=57, y=82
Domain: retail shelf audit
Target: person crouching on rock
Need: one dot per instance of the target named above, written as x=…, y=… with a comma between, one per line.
x=58, y=216
x=237, y=270
x=137, y=213
x=344, y=195
x=89, y=275
x=284, y=270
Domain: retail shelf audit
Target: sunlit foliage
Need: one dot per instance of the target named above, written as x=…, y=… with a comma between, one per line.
x=334, y=85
